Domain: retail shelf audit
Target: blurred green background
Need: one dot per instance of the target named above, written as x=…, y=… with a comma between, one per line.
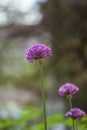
x=62, y=25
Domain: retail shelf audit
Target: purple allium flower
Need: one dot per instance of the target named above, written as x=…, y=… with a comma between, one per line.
x=75, y=113
x=68, y=88
x=37, y=51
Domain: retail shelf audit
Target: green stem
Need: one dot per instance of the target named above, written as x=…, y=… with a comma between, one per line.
x=76, y=121
x=70, y=106
x=43, y=96
x=70, y=101
x=73, y=122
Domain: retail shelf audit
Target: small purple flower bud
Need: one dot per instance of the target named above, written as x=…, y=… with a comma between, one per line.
x=37, y=51
x=75, y=113
x=68, y=88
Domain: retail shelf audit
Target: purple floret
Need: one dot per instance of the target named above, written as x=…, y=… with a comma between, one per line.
x=75, y=113
x=68, y=88
x=37, y=51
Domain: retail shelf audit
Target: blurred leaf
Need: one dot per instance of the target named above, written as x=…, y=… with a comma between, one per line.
x=54, y=119
x=68, y=122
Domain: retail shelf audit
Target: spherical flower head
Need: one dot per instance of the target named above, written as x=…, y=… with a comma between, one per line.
x=75, y=113
x=68, y=88
x=37, y=51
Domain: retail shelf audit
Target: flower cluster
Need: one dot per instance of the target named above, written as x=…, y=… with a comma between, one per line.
x=70, y=89
x=37, y=51
x=75, y=113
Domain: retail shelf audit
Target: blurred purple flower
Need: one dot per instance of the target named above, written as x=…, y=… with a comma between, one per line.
x=68, y=88
x=75, y=113
x=37, y=51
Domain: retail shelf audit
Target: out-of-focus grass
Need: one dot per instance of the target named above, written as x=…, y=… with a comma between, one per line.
x=31, y=118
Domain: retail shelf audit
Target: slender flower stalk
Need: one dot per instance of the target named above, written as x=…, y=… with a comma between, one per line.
x=68, y=90
x=75, y=114
x=37, y=52
x=43, y=96
x=76, y=122
x=73, y=123
x=69, y=96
